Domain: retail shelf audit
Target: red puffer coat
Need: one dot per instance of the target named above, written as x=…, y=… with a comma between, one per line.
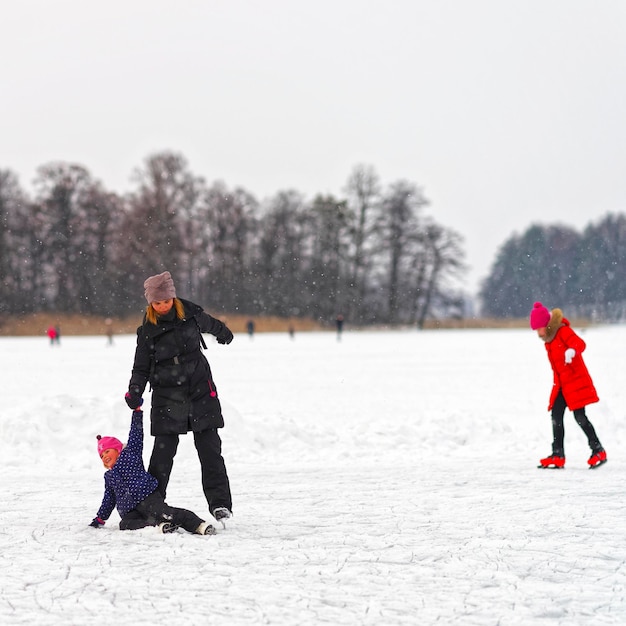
x=573, y=378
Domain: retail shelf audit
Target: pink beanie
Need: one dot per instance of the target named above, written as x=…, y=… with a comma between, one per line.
x=159, y=287
x=107, y=443
x=539, y=316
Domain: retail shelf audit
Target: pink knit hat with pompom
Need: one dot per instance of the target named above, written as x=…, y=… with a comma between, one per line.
x=539, y=316
x=107, y=443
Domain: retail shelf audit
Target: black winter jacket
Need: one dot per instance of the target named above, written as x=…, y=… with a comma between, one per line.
x=168, y=355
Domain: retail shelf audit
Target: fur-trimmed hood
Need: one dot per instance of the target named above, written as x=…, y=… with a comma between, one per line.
x=557, y=320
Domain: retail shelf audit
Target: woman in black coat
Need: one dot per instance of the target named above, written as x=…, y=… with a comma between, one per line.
x=184, y=396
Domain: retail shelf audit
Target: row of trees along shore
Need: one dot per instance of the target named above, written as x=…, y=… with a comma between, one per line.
x=373, y=256
x=582, y=273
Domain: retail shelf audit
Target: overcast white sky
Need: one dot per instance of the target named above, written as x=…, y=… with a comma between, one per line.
x=506, y=113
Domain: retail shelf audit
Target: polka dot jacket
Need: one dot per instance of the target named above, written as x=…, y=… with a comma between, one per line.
x=127, y=483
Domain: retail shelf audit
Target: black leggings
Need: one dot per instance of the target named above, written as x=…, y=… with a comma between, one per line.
x=215, y=483
x=153, y=510
x=558, y=430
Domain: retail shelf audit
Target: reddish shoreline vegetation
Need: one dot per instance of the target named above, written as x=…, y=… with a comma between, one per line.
x=36, y=324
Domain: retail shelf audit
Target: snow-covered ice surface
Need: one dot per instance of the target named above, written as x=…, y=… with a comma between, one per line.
x=387, y=478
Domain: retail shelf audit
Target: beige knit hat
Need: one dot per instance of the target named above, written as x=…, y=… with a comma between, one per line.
x=159, y=287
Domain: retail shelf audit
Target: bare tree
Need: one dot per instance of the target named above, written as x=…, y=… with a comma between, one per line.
x=100, y=279
x=283, y=255
x=398, y=224
x=63, y=217
x=438, y=260
x=231, y=220
x=16, y=247
x=363, y=192
x=162, y=227
x=328, y=275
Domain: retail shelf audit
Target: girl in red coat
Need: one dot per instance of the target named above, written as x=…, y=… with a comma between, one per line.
x=572, y=387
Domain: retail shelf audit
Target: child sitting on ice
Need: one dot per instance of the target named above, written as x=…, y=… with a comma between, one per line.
x=134, y=491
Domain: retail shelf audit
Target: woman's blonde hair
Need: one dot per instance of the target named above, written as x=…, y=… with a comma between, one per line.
x=153, y=318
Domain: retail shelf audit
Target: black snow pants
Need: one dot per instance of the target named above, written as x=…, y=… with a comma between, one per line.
x=153, y=510
x=558, y=429
x=215, y=483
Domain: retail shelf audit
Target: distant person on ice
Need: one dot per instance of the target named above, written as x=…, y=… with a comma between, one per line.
x=108, y=322
x=52, y=335
x=184, y=395
x=134, y=492
x=572, y=387
x=339, y=325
